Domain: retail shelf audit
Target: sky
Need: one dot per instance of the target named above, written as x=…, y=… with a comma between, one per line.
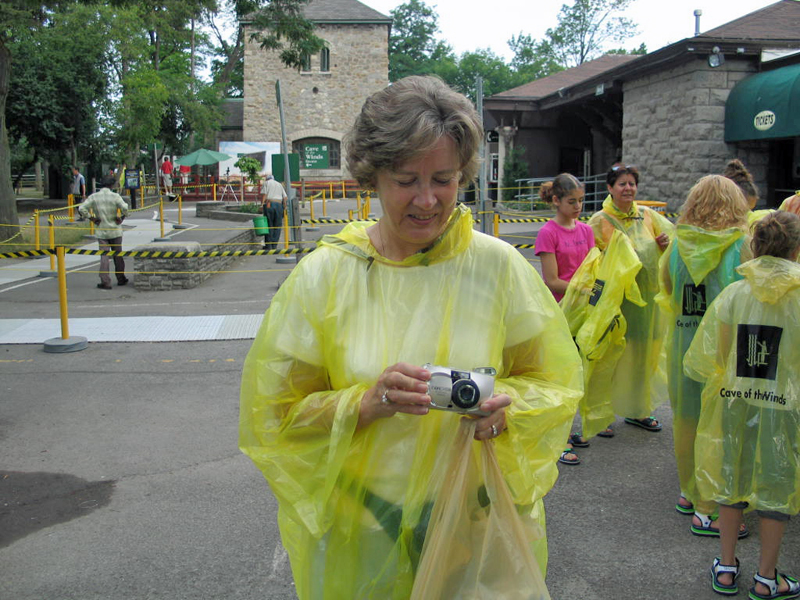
x=659, y=22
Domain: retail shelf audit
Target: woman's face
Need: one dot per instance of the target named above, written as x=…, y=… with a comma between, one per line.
x=571, y=204
x=418, y=198
x=623, y=192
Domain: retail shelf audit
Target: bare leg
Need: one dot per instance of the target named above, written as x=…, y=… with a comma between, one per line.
x=729, y=521
x=771, y=536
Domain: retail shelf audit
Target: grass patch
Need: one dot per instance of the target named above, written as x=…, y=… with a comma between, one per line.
x=65, y=235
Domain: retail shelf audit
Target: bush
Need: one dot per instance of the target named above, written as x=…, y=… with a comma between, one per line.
x=514, y=167
x=251, y=208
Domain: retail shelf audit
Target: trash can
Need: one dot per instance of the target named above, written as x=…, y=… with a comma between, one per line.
x=261, y=225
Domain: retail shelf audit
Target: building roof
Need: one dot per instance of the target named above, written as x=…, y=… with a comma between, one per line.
x=778, y=21
x=772, y=27
x=563, y=79
x=338, y=11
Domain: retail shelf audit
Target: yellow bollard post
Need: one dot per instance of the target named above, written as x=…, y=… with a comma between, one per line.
x=51, y=222
x=367, y=205
x=161, y=213
x=180, y=209
x=496, y=225
x=37, y=244
x=70, y=208
x=62, y=293
x=344, y=189
x=311, y=207
x=285, y=229
x=64, y=343
x=350, y=215
x=358, y=204
x=331, y=188
x=324, y=206
x=214, y=191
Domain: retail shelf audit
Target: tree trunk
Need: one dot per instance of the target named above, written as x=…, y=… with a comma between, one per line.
x=9, y=220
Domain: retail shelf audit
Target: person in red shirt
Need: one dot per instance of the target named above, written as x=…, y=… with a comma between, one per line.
x=166, y=175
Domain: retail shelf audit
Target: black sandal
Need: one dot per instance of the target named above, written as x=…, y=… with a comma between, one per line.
x=569, y=461
x=577, y=441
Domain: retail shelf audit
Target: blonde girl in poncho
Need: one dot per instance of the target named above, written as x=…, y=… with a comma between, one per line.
x=710, y=242
x=746, y=352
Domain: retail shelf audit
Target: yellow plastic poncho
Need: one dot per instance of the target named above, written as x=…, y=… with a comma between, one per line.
x=639, y=381
x=354, y=504
x=697, y=265
x=792, y=203
x=596, y=321
x=747, y=354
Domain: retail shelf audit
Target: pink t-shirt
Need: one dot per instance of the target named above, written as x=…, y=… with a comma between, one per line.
x=570, y=246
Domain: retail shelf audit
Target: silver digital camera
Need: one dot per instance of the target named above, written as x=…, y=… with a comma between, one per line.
x=460, y=391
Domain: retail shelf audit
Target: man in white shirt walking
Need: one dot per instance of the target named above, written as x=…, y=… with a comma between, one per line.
x=107, y=210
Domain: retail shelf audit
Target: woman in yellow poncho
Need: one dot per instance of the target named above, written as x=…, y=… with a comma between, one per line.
x=710, y=242
x=334, y=408
x=747, y=354
x=632, y=379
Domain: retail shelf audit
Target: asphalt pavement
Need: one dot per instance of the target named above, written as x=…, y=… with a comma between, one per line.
x=120, y=476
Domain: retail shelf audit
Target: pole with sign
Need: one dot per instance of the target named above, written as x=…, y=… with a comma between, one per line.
x=294, y=231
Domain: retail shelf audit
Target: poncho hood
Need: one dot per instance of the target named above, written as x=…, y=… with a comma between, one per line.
x=770, y=278
x=611, y=208
x=454, y=240
x=701, y=250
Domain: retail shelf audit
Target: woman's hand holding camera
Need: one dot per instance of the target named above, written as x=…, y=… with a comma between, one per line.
x=402, y=388
x=493, y=425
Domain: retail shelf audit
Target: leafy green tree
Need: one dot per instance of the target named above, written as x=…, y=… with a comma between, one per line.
x=497, y=75
x=413, y=47
x=585, y=29
x=532, y=60
x=138, y=74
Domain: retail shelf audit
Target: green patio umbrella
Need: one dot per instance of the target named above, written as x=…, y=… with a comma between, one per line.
x=202, y=157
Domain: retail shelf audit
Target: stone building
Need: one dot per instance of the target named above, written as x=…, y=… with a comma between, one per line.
x=678, y=113
x=323, y=98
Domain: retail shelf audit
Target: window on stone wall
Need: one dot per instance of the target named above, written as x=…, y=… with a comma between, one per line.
x=305, y=62
x=325, y=60
x=318, y=153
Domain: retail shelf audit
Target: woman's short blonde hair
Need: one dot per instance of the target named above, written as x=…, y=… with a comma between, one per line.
x=406, y=119
x=715, y=203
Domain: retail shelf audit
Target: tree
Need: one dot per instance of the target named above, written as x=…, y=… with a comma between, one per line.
x=413, y=49
x=585, y=28
x=514, y=167
x=532, y=60
x=146, y=76
x=496, y=74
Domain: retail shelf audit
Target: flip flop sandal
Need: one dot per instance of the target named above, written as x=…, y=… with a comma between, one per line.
x=649, y=423
x=569, y=461
x=772, y=586
x=706, y=528
x=684, y=509
x=716, y=570
x=577, y=442
x=606, y=433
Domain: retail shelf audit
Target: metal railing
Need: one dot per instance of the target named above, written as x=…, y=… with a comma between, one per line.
x=594, y=185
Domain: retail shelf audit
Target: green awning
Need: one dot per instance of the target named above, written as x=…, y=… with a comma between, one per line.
x=764, y=106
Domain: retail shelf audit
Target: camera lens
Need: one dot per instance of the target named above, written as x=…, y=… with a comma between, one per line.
x=465, y=393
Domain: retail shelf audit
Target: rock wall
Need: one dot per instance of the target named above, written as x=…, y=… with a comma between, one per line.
x=674, y=129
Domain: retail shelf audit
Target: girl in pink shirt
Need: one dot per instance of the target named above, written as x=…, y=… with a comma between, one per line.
x=562, y=244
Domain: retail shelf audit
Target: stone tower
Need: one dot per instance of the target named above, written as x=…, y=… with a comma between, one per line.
x=322, y=99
